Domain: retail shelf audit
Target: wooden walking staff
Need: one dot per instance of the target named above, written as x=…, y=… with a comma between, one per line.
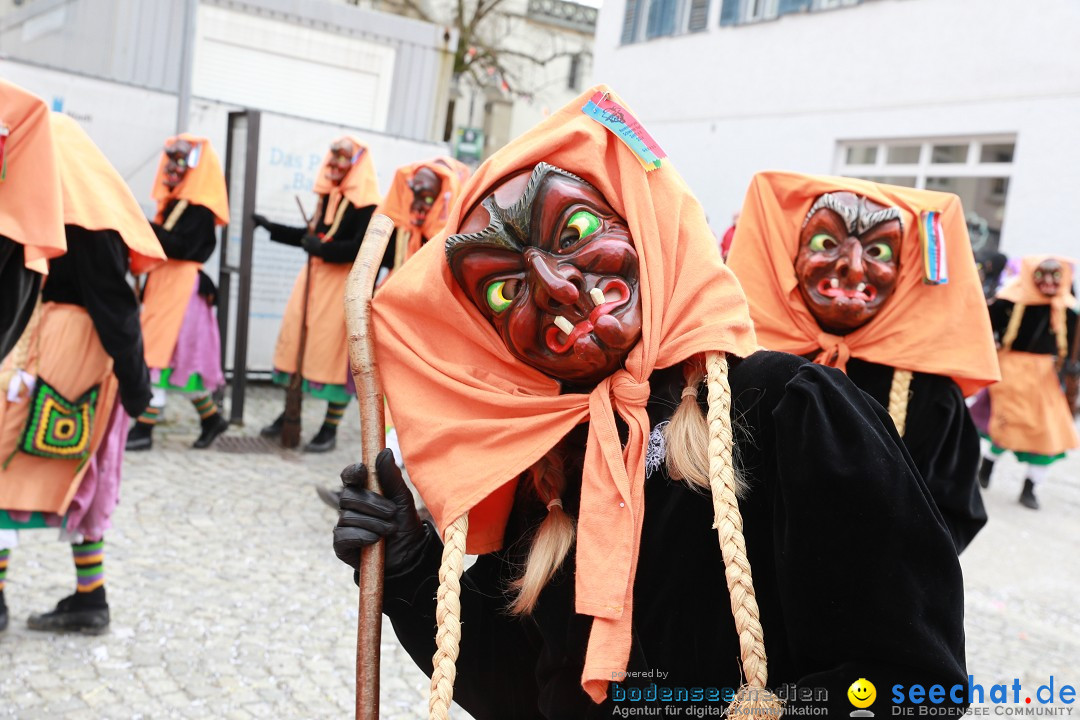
x=358, y=290
x=294, y=395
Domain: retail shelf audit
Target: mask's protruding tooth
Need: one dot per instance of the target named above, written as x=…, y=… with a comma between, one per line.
x=834, y=283
x=597, y=296
x=563, y=324
x=861, y=287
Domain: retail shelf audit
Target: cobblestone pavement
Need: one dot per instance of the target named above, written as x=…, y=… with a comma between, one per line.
x=227, y=600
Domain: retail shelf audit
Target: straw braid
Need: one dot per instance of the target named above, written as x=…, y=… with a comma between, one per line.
x=448, y=617
x=899, y=394
x=174, y=216
x=752, y=698
x=1013, y=328
x=1061, y=333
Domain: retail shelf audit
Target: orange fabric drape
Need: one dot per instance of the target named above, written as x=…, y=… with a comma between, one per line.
x=97, y=198
x=360, y=186
x=67, y=352
x=471, y=417
x=31, y=203
x=399, y=198
x=326, y=351
x=936, y=329
x=204, y=183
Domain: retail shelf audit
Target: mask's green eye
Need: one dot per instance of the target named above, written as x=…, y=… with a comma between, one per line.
x=430, y=200
x=496, y=296
x=584, y=222
x=880, y=251
x=822, y=241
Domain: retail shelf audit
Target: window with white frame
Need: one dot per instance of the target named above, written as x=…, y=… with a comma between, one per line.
x=648, y=19
x=975, y=168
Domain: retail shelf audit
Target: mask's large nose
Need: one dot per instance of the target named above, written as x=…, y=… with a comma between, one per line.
x=850, y=264
x=554, y=286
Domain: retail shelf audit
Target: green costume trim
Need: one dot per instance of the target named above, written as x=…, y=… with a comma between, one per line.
x=194, y=383
x=1024, y=457
x=331, y=393
x=37, y=520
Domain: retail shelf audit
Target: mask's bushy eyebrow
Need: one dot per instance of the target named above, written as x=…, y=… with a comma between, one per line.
x=857, y=219
x=508, y=228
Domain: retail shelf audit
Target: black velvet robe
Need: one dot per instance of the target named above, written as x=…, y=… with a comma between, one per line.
x=942, y=440
x=344, y=246
x=193, y=237
x=93, y=275
x=1034, y=334
x=855, y=573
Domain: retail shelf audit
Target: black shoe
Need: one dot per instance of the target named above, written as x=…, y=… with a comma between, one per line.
x=3, y=613
x=324, y=441
x=140, y=437
x=985, y=468
x=211, y=427
x=330, y=497
x=273, y=430
x=86, y=613
x=1027, y=495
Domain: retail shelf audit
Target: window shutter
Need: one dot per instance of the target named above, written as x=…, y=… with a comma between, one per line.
x=699, y=15
x=661, y=18
x=793, y=6
x=630, y=21
x=729, y=12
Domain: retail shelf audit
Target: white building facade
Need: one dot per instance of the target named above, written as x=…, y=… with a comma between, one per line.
x=977, y=98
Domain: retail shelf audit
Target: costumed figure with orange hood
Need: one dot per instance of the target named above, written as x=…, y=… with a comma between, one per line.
x=1035, y=325
x=572, y=371
x=62, y=423
x=183, y=344
x=419, y=202
x=348, y=193
x=880, y=282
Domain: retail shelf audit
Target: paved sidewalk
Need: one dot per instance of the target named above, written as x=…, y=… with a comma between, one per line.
x=227, y=600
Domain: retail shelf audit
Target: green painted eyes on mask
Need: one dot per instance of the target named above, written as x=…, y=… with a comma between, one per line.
x=496, y=298
x=585, y=223
x=879, y=251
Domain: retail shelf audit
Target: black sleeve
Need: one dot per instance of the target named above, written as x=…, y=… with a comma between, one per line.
x=873, y=585
x=287, y=234
x=193, y=237
x=944, y=445
x=1070, y=331
x=19, y=287
x=1000, y=312
x=102, y=261
x=496, y=666
x=345, y=245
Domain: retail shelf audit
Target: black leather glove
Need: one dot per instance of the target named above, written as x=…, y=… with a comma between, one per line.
x=313, y=244
x=260, y=220
x=367, y=516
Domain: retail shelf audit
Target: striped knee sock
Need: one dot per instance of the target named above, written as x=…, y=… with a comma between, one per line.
x=334, y=413
x=150, y=415
x=4, y=555
x=89, y=565
x=205, y=406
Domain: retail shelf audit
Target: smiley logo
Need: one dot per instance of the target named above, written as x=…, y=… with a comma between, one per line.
x=862, y=693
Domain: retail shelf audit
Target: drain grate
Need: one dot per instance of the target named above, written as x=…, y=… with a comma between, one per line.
x=245, y=445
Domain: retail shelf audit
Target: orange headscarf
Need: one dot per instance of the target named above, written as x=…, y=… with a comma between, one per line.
x=1021, y=288
x=360, y=186
x=399, y=198
x=97, y=198
x=937, y=329
x=203, y=184
x=471, y=417
x=462, y=170
x=31, y=204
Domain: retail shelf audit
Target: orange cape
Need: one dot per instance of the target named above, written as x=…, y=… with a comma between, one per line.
x=399, y=199
x=1022, y=291
x=471, y=417
x=97, y=198
x=204, y=183
x=360, y=186
x=936, y=329
x=31, y=204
